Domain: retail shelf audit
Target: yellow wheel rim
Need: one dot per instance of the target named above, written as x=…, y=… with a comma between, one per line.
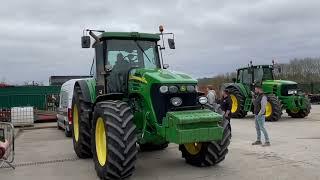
x=295, y=111
x=101, y=142
x=268, y=109
x=193, y=148
x=234, y=103
x=75, y=122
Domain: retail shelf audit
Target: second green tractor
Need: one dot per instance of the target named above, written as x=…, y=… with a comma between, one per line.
x=133, y=100
x=281, y=94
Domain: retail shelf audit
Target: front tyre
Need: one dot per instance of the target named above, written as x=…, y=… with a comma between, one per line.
x=273, y=108
x=208, y=153
x=81, y=127
x=300, y=113
x=113, y=140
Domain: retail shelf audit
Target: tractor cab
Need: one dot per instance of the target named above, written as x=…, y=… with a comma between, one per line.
x=118, y=54
x=255, y=74
x=123, y=56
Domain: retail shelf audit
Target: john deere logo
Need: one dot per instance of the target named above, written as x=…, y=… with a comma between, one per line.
x=183, y=88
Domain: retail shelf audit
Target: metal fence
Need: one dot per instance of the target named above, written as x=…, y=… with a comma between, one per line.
x=6, y=144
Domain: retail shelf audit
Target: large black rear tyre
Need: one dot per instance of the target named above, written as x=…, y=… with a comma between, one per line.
x=238, y=102
x=302, y=113
x=113, y=125
x=273, y=109
x=208, y=153
x=81, y=127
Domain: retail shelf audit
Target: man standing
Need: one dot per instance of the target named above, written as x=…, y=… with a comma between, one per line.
x=226, y=104
x=260, y=103
x=211, y=95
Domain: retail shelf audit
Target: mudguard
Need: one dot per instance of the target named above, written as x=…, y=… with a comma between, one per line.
x=239, y=86
x=85, y=90
x=111, y=96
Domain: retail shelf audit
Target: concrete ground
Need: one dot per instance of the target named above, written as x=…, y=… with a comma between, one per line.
x=294, y=154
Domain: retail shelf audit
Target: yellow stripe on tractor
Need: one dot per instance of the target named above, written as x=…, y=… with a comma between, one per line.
x=136, y=78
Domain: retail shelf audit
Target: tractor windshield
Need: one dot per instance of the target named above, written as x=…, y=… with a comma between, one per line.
x=131, y=53
x=123, y=55
x=262, y=74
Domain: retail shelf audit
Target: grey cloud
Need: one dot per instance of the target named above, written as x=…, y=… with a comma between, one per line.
x=42, y=38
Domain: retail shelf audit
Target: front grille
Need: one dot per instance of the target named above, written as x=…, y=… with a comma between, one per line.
x=285, y=88
x=161, y=102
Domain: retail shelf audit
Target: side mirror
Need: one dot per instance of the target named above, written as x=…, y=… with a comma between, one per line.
x=165, y=66
x=172, y=44
x=85, y=41
x=234, y=80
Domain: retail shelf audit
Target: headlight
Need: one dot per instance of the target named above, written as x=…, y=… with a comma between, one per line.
x=292, y=91
x=173, y=89
x=203, y=100
x=176, y=101
x=163, y=89
x=191, y=88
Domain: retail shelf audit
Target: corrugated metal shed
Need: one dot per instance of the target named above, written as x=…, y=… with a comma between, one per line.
x=40, y=97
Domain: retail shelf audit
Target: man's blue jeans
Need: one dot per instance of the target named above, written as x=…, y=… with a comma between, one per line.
x=260, y=120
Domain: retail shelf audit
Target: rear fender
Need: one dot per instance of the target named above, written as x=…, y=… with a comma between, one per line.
x=111, y=96
x=245, y=91
x=84, y=89
x=240, y=88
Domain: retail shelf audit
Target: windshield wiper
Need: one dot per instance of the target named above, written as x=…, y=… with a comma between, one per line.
x=143, y=51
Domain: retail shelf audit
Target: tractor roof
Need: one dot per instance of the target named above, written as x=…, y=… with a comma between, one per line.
x=129, y=35
x=258, y=66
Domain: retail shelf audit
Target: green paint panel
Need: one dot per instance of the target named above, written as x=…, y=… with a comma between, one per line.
x=293, y=102
x=192, y=126
x=91, y=83
x=35, y=96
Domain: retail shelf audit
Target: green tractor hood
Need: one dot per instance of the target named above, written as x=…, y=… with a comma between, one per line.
x=161, y=76
x=278, y=82
x=269, y=85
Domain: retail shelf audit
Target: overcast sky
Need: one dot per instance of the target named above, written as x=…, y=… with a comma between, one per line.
x=42, y=38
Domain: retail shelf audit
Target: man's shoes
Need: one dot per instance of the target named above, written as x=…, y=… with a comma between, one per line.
x=266, y=144
x=256, y=143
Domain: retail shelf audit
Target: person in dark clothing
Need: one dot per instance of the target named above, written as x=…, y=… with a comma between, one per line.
x=259, y=103
x=118, y=77
x=226, y=104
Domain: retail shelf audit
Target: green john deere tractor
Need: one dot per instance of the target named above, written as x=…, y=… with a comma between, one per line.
x=133, y=99
x=281, y=94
